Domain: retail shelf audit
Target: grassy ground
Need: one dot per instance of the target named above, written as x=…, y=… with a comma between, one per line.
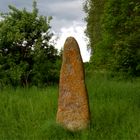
x=29, y=114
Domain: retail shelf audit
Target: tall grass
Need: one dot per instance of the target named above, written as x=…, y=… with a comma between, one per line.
x=115, y=108
x=29, y=114
x=25, y=113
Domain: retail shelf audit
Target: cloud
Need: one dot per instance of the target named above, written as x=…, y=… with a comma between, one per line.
x=64, y=10
x=1, y=18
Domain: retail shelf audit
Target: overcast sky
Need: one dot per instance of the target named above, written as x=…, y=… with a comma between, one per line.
x=68, y=19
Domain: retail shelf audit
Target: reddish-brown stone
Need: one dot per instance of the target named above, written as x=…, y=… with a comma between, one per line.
x=73, y=107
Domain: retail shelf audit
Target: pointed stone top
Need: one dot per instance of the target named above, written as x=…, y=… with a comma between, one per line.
x=71, y=42
x=70, y=38
x=71, y=49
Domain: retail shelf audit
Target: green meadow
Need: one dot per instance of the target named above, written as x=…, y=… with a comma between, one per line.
x=29, y=113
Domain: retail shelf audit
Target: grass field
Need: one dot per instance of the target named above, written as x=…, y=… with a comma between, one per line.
x=29, y=114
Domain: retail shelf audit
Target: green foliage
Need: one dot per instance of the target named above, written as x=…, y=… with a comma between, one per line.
x=94, y=10
x=30, y=113
x=118, y=48
x=122, y=18
x=26, y=55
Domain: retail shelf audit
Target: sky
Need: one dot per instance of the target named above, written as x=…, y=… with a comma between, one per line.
x=68, y=19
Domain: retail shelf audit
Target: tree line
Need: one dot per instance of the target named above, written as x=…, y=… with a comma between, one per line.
x=28, y=58
x=113, y=27
x=26, y=55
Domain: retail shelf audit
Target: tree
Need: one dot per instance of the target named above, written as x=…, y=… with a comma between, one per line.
x=24, y=42
x=122, y=21
x=118, y=48
x=94, y=10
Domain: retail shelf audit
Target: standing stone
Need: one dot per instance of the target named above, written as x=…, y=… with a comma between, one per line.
x=73, y=107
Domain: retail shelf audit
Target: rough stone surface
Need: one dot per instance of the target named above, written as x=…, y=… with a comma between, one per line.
x=73, y=107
